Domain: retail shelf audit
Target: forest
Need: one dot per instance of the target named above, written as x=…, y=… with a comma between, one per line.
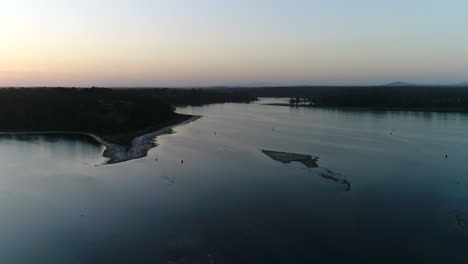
x=116, y=114
x=440, y=98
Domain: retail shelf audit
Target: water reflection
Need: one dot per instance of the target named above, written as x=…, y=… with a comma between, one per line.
x=230, y=203
x=80, y=148
x=462, y=221
x=49, y=138
x=330, y=175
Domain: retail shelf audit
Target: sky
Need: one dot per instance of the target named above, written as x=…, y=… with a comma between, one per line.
x=148, y=43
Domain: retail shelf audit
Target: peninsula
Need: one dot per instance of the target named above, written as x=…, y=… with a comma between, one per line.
x=124, y=120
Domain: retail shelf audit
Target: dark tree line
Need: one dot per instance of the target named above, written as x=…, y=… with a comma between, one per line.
x=98, y=110
x=193, y=96
x=94, y=110
x=398, y=97
x=404, y=97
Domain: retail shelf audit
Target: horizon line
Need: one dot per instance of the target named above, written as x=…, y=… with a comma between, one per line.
x=394, y=84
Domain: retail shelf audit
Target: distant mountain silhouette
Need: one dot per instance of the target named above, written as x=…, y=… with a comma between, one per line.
x=278, y=85
x=399, y=84
x=256, y=84
x=402, y=84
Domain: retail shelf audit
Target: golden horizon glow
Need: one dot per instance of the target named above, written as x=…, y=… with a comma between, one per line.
x=196, y=43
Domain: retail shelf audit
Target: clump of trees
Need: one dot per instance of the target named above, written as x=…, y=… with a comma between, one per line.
x=301, y=101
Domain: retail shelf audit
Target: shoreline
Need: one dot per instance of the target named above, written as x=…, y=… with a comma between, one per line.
x=140, y=145
x=116, y=153
x=415, y=109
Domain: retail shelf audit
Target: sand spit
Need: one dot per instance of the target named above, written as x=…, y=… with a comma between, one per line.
x=140, y=145
x=115, y=153
x=310, y=162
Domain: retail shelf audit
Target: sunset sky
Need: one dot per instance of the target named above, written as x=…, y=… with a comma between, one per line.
x=232, y=42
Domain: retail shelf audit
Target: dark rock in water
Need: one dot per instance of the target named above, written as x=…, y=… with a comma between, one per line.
x=284, y=157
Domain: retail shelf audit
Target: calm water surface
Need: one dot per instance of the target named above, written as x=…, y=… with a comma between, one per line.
x=230, y=203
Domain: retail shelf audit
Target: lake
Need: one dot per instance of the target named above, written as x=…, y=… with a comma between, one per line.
x=207, y=193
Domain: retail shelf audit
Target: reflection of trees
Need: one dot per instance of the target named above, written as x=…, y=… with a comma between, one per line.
x=50, y=137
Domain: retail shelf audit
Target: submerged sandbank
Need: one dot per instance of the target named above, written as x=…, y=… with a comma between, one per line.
x=285, y=157
x=310, y=162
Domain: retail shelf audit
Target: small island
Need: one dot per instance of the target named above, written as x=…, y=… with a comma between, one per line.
x=285, y=157
x=310, y=162
x=124, y=120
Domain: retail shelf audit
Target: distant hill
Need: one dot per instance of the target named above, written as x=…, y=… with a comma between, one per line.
x=398, y=84
x=401, y=84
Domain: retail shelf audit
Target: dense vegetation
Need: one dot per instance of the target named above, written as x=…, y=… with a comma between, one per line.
x=423, y=98
x=96, y=110
x=194, y=96
x=108, y=112
x=384, y=97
